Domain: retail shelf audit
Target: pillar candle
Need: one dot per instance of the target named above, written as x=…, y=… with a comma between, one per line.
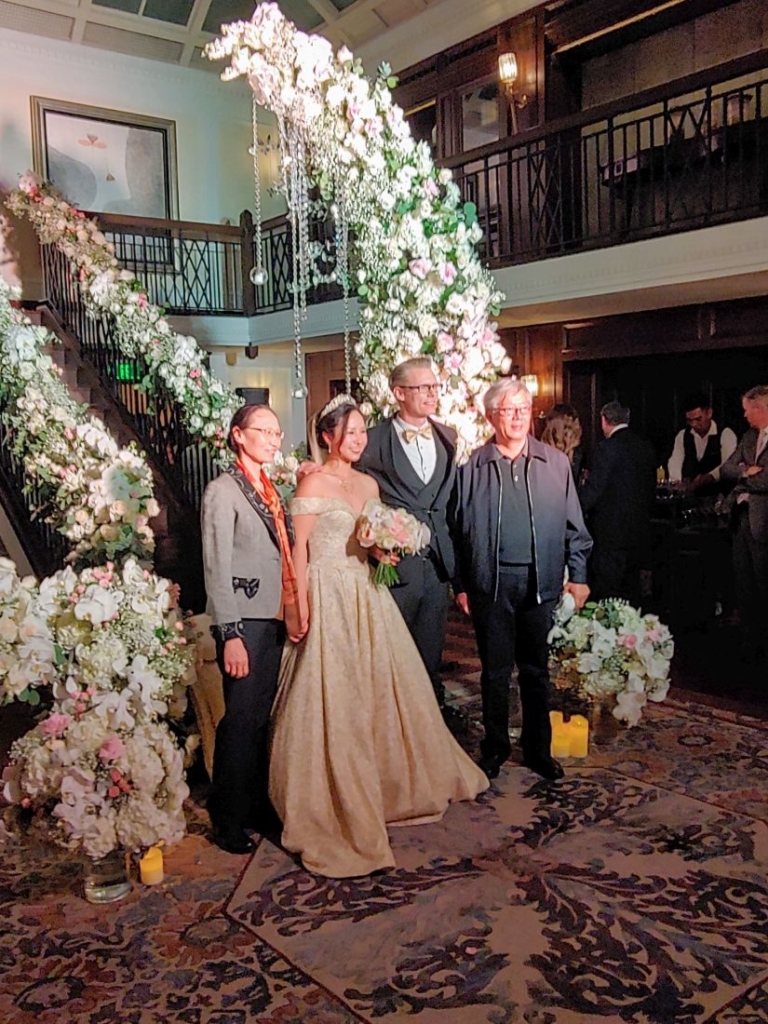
x=579, y=736
x=561, y=742
x=151, y=866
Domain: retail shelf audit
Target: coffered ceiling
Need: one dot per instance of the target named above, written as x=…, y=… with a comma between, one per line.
x=175, y=31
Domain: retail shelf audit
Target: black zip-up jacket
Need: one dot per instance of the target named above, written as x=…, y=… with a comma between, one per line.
x=560, y=537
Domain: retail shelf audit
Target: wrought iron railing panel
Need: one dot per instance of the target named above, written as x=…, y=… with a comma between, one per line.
x=688, y=159
x=186, y=464
x=44, y=546
x=183, y=270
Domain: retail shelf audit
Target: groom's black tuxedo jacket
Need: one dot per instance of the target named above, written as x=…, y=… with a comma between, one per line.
x=401, y=486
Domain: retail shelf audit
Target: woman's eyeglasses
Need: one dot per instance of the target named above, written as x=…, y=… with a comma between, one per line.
x=273, y=435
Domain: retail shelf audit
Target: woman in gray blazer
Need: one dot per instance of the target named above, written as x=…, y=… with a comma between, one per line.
x=250, y=585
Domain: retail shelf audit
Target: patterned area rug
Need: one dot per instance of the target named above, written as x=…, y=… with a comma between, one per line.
x=634, y=890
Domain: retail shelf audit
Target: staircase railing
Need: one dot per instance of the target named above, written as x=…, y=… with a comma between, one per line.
x=45, y=548
x=158, y=423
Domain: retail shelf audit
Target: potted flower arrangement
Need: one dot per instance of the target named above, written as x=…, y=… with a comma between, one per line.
x=611, y=653
x=100, y=773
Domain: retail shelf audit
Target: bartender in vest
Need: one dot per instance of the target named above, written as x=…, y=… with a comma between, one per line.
x=700, y=449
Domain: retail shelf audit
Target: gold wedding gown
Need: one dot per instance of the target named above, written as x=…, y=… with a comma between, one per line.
x=358, y=741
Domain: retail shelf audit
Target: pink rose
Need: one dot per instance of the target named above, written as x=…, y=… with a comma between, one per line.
x=56, y=724
x=447, y=273
x=420, y=268
x=112, y=748
x=629, y=640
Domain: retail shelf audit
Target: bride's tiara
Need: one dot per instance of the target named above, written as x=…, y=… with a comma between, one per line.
x=335, y=403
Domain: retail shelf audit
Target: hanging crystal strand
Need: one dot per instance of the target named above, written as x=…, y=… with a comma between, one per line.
x=258, y=275
x=342, y=265
x=296, y=179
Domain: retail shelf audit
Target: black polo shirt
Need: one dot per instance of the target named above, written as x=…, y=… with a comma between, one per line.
x=515, y=533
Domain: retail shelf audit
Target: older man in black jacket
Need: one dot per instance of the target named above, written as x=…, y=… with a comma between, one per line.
x=517, y=526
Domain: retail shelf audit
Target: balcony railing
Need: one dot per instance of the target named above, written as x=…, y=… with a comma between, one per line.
x=184, y=267
x=686, y=155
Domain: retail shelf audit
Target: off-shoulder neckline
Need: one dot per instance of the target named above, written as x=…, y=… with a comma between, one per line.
x=336, y=501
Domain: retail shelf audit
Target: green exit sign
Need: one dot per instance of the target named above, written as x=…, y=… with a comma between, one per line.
x=127, y=372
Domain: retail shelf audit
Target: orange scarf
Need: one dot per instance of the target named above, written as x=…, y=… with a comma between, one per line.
x=266, y=489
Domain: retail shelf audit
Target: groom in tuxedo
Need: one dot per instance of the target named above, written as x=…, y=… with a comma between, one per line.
x=413, y=460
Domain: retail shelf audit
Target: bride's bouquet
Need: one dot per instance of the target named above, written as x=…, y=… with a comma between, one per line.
x=393, y=530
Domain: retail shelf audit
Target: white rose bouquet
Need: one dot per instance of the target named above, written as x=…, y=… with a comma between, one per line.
x=610, y=649
x=77, y=781
x=393, y=530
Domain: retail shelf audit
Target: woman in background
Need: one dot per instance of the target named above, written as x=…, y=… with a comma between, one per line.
x=562, y=430
x=252, y=599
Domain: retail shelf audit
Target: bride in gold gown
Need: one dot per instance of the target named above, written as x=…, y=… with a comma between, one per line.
x=358, y=741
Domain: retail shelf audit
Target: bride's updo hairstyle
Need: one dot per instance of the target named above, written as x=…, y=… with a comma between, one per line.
x=336, y=412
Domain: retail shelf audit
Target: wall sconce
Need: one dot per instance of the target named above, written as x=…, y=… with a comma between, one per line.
x=531, y=382
x=508, y=78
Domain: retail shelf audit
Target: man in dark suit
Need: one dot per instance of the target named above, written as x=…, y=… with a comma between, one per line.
x=747, y=468
x=617, y=501
x=413, y=460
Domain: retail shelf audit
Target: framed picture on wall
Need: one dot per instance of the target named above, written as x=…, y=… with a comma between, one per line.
x=106, y=161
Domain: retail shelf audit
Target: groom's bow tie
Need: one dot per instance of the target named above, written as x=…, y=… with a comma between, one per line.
x=411, y=433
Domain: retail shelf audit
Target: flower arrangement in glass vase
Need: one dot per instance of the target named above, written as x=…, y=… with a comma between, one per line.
x=100, y=771
x=610, y=650
x=395, y=531
x=87, y=784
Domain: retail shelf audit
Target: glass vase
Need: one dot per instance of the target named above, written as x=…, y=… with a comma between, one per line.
x=106, y=879
x=604, y=727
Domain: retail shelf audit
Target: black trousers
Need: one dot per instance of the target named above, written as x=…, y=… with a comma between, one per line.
x=422, y=598
x=240, y=758
x=750, y=568
x=512, y=630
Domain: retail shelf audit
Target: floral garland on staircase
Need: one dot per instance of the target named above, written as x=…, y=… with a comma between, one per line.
x=174, y=361
x=99, y=496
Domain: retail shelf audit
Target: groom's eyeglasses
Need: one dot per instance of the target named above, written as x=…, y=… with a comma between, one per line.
x=423, y=389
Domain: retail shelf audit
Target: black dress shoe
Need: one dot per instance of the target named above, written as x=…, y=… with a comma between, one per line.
x=546, y=767
x=490, y=764
x=233, y=840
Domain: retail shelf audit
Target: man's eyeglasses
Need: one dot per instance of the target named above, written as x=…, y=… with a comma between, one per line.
x=423, y=389
x=512, y=412
x=273, y=435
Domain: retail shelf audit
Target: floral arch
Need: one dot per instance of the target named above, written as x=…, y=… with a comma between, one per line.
x=406, y=243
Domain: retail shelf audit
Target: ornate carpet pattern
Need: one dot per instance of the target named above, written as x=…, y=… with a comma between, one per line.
x=635, y=890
